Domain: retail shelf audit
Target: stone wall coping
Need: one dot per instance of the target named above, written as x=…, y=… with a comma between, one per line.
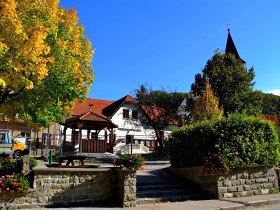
x=198, y=168
x=57, y=169
x=124, y=170
x=250, y=166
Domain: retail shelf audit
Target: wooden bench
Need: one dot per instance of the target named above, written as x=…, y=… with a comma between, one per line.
x=71, y=158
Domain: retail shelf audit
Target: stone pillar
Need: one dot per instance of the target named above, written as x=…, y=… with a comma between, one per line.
x=124, y=191
x=25, y=167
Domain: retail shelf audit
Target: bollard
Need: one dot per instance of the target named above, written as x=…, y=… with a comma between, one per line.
x=50, y=157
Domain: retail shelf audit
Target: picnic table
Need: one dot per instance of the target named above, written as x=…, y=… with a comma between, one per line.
x=71, y=158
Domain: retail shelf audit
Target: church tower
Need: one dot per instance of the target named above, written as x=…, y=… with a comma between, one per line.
x=230, y=48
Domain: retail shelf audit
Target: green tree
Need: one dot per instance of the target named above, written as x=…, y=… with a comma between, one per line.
x=230, y=81
x=45, y=60
x=270, y=104
x=206, y=106
x=160, y=107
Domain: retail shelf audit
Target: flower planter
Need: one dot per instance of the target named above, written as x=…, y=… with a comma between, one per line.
x=8, y=196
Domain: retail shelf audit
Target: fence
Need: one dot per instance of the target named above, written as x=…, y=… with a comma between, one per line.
x=97, y=144
x=94, y=146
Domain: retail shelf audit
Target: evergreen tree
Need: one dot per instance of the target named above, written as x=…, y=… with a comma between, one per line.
x=230, y=81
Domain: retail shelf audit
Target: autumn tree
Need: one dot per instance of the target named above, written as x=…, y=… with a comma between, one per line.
x=231, y=82
x=160, y=107
x=270, y=106
x=45, y=60
x=206, y=106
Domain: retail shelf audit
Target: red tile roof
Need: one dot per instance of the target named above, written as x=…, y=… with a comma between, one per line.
x=103, y=108
x=106, y=109
x=112, y=108
x=90, y=116
x=89, y=120
x=97, y=106
x=158, y=114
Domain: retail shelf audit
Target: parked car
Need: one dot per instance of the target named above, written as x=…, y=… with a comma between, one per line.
x=11, y=147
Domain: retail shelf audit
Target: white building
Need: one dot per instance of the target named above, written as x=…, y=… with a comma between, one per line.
x=125, y=113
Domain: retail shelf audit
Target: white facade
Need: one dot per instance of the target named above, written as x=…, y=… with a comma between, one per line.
x=129, y=127
x=132, y=125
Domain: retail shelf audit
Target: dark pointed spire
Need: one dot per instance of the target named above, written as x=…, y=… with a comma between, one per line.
x=230, y=47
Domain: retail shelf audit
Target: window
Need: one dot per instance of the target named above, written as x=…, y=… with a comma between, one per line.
x=126, y=113
x=2, y=139
x=94, y=135
x=134, y=114
x=129, y=139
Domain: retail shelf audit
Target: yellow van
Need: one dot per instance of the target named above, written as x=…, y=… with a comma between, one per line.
x=11, y=147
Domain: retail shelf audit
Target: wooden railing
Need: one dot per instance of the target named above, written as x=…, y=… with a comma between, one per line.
x=94, y=146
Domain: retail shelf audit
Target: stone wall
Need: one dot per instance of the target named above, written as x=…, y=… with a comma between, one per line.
x=76, y=187
x=125, y=188
x=244, y=181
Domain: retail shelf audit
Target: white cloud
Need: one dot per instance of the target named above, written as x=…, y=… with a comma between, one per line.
x=275, y=92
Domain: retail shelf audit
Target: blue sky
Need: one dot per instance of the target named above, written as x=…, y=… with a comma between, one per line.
x=164, y=43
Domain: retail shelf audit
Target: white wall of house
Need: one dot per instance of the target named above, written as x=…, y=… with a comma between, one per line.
x=131, y=125
x=182, y=109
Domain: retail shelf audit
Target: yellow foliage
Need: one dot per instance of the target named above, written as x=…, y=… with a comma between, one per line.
x=30, y=85
x=2, y=83
x=41, y=42
x=27, y=51
x=206, y=107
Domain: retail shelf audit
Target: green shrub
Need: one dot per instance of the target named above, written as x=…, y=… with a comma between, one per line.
x=234, y=141
x=130, y=161
x=33, y=162
x=10, y=166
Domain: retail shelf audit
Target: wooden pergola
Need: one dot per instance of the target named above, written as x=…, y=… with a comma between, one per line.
x=89, y=121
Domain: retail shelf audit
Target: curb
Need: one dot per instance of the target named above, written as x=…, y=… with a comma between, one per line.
x=262, y=203
x=257, y=203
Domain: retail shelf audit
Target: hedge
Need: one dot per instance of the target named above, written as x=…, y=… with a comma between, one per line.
x=234, y=141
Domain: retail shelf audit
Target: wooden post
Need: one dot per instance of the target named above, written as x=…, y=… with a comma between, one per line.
x=73, y=137
x=106, y=136
x=64, y=137
x=80, y=140
x=111, y=139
